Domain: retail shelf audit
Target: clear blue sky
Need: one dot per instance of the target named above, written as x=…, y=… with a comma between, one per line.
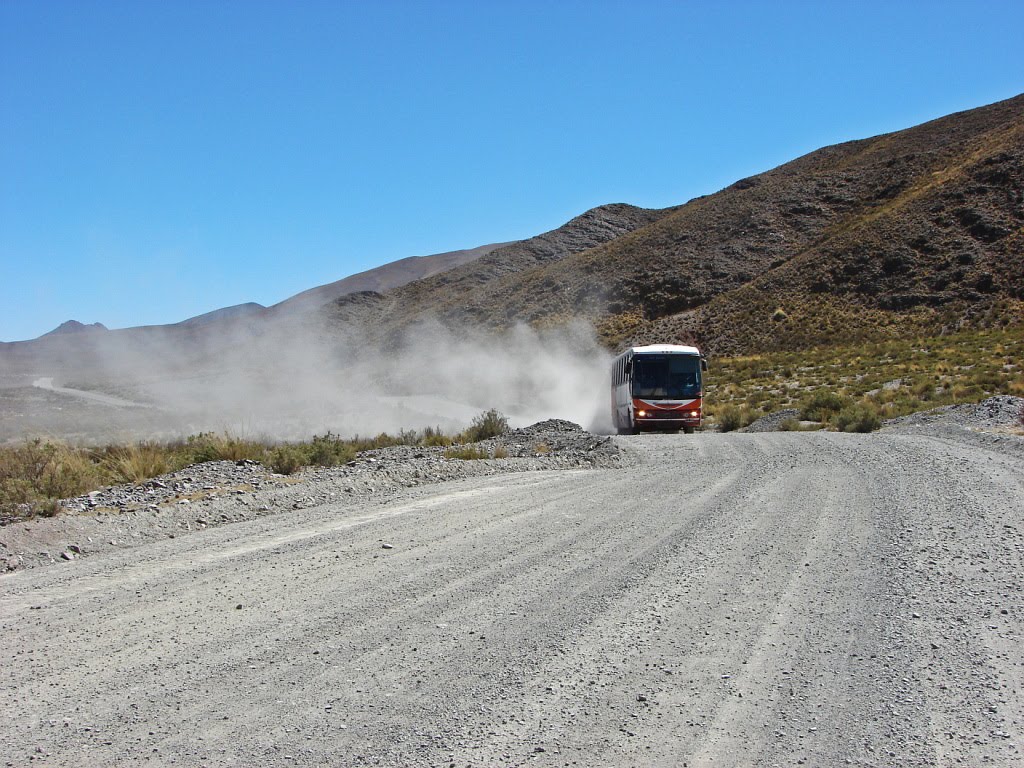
x=163, y=159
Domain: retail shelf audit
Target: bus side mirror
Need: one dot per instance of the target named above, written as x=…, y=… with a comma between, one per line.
x=703, y=363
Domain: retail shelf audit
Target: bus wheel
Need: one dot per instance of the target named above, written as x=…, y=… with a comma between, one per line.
x=688, y=430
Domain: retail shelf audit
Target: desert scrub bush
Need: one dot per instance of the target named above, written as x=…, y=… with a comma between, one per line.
x=207, y=446
x=728, y=418
x=488, y=424
x=286, y=459
x=433, y=436
x=821, y=404
x=384, y=440
x=923, y=389
x=859, y=417
x=731, y=417
x=327, y=451
x=34, y=475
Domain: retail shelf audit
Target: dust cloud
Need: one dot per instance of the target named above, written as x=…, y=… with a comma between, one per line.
x=293, y=380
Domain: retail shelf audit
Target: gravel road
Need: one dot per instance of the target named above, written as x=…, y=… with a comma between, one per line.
x=738, y=599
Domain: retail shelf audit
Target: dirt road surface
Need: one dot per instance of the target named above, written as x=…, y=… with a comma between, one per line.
x=762, y=599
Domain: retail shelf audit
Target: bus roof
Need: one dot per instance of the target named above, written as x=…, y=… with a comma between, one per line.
x=663, y=349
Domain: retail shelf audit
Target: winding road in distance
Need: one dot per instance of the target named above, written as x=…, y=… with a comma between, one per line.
x=46, y=383
x=777, y=599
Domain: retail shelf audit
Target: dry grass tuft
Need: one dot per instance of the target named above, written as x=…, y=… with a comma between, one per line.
x=138, y=463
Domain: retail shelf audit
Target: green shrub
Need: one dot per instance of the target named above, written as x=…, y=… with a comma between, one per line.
x=46, y=508
x=857, y=418
x=202, y=447
x=328, y=451
x=408, y=437
x=286, y=459
x=433, y=436
x=383, y=440
x=821, y=404
x=488, y=424
x=207, y=446
x=728, y=418
x=731, y=417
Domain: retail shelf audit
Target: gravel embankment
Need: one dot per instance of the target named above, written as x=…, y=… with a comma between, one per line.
x=220, y=492
x=994, y=423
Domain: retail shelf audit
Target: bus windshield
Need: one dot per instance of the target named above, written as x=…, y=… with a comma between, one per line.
x=671, y=377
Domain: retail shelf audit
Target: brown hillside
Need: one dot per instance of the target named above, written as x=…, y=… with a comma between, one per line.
x=445, y=295
x=947, y=251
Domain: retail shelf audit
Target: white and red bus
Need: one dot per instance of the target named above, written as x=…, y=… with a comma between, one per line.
x=658, y=387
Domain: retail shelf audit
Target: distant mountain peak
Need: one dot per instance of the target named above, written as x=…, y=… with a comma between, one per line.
x=73, y=326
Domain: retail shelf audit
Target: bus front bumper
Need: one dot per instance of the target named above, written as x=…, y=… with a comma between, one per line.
x=656, y=418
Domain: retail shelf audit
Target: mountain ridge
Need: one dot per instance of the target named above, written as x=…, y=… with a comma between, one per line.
x=74, y=327
x=381, y=278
